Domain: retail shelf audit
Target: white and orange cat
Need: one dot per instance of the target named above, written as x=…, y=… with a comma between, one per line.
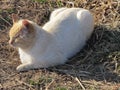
x=59, y=39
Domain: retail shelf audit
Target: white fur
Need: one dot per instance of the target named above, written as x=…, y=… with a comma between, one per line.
x=59, y=39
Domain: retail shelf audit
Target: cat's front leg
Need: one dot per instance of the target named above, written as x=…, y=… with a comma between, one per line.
x=24, y=67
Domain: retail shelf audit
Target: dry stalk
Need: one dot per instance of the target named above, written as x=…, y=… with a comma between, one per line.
x=48, y=86
x=80, y=83
x=21, y=82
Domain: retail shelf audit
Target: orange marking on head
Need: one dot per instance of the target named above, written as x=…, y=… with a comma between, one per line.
x=25, y=22
x=16, y=30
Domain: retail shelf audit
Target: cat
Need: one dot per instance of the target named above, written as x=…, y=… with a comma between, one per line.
x=59, y=39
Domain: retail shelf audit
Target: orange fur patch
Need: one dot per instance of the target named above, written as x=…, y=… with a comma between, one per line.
x=18, y=26
x=15, y=29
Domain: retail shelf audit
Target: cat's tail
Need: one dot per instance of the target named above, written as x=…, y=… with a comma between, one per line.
x=85, y=15
x=56, y=12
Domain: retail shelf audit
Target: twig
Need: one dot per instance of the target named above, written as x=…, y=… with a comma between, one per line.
x=103, y=74
x=72, y=3
x=21, y=82
x=5, y=21
x=1, y=86
x=3, y=71
x=47, y=87
x=88, y=54
x=80, y=83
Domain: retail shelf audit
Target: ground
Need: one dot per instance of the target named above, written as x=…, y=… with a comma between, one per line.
x=95, y=67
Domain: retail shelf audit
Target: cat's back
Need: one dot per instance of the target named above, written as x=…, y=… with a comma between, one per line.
x=71, y=27
x=71, y=21
x=68, y=18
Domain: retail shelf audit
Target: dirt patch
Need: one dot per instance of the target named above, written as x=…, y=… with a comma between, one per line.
x=95, y=67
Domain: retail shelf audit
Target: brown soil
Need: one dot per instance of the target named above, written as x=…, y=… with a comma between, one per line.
x=96, y=67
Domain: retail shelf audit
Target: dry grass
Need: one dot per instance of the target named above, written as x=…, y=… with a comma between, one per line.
x=96, y=67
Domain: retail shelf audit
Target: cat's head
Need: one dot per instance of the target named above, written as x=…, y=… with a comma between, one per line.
x=22, y=33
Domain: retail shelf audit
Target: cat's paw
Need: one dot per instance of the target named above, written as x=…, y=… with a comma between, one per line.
x=23, y=67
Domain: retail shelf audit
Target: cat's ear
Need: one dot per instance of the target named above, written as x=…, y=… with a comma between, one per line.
x=15, y=18
x=25, y=23
x=25, y=28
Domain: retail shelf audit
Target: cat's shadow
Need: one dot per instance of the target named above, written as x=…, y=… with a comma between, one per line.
x=95, y=60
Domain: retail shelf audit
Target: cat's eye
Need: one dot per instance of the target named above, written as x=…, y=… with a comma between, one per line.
x=21, y=36
x=16, y=38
